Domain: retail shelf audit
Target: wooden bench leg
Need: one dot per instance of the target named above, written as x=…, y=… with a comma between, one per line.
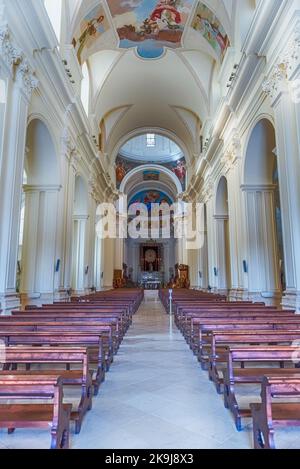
x=263, y=433
x=230, y=402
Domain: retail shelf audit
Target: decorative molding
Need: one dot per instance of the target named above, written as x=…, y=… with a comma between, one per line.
x=287, y=63
x=69, y=150
x=41, y=188
x=232, y=153
x=17, y=64
x=277, y=80
x=208, y=191
x=11, y=54
x=258, y=187
x=26, y=78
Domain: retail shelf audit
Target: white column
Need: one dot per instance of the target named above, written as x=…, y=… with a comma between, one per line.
x=66, y=226
x=90, y=244
x=11, y=177
x=223, y=274
x=98, y=264
x=288, y=153
x=263, y=262
x=79, y=240
x=119, y=247
x=108, y=261
x=211, y=238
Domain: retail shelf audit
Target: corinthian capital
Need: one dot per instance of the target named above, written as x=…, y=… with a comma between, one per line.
x=26, y=78
x=10, y=54
x=277, y=80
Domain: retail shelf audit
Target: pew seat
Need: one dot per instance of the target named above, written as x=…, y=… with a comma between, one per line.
x=269, y=415
x=38, y=415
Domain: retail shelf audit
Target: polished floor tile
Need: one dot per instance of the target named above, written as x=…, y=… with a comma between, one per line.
x=156, y=396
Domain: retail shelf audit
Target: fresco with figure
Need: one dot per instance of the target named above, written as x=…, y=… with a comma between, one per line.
x=150, y=197
x=150, y=25
x=124, y=166
x=88, y=37
x=208, y=25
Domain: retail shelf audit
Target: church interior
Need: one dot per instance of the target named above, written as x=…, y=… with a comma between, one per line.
x=150, y=224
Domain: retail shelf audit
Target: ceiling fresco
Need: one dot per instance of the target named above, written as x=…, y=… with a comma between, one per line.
x=148, y=26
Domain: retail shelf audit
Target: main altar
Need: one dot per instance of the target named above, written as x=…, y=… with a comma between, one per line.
x=151, y=266
x=151, y=280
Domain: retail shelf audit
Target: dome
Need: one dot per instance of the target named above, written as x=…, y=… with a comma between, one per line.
x=151, y=148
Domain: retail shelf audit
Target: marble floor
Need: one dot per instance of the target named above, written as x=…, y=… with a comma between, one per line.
x=155, y=397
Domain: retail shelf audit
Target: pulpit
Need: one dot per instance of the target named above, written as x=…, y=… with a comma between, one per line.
x=182, y=279
x=118, y=281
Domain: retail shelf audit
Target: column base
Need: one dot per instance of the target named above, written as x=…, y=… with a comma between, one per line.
x=269, y=298
x=63, y=294
x=36, y=298
x=238, y=294
x=291, y=300
x=9, y=302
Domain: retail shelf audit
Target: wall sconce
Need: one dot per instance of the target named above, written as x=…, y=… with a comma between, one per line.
x=57, y=265
x=245, y=267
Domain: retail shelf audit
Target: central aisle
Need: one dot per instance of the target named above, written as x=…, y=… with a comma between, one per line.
x=156, y=396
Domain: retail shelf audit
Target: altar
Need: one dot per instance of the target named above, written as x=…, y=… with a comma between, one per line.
x=151, y=280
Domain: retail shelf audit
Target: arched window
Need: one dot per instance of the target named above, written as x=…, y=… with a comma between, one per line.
x=85, y=88
x=54, y=10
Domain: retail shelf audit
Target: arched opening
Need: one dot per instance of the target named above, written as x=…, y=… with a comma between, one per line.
x=222, y=271
x=80, y=221
x=263, y=210
x=37, y=254
x=85, y=88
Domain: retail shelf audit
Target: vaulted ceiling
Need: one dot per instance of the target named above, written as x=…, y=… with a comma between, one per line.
x=157, y=65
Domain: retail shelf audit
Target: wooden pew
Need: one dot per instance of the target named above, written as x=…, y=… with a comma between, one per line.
x=206, y=326
x=270, y=415
x=191, y=327
x=110, y=340
x=38, y=415
x=56, y=357
x=257, y=355
x=123, y=323
x=217, y=342
x=69, y=339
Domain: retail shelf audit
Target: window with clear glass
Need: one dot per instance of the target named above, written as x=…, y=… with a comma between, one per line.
x=151, y=140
